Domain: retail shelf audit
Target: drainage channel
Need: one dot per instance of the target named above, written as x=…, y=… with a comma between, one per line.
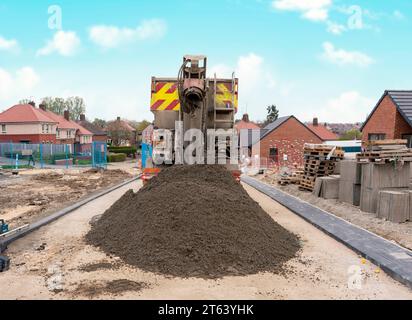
x=57, y=215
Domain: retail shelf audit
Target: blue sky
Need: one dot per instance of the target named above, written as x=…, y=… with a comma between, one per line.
x=326, y=58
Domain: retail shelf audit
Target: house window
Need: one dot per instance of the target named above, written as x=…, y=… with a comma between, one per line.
x=58, y=133
x=3, y=128
x=408, y=137
x=47, y=128
x=376, y=136
x=273, y=154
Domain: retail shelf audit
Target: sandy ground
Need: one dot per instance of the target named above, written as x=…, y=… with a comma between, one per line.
x=55, y=263
x=400, y=233
x=129, y=166
x=37, y=193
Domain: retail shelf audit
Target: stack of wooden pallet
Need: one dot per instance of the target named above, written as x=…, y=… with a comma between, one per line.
x=320, y=161
x=293, y=177
x=384, y=151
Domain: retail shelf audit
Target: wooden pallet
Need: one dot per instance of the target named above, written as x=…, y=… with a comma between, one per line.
x=306, y=188
x=307, y=184
x=385, y=156
x=386, y=142
x=318, y=173
x=384, y=160
x=320, y=166
x=321, y=158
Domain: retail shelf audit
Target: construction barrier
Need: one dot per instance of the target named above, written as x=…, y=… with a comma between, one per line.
x=21, y=155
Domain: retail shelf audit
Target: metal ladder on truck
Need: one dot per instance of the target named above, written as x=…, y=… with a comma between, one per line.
x=224, y=112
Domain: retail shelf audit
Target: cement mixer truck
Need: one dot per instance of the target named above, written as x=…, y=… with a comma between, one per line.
x=194, y=102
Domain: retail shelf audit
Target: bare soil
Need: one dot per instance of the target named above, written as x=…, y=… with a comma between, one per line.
x=321, y=271
x=113, y=287
x=400, y=233
x=37, y=193
x=194, y=221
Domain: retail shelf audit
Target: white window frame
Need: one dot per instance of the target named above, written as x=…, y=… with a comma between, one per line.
x=3, y=128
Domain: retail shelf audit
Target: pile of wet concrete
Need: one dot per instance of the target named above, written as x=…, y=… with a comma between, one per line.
x=194, y=221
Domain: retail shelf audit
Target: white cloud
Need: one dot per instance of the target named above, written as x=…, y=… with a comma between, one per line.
x=27, y=78
x=249, y=69
x=65, y=43
x=335, y=28
x=19, y=84
x=8, y=45
x=258, y=84
x=343, y=57
x=112, y=36
x=315, y=10
x=6, y=83
x=349, y=107
x=398, y=15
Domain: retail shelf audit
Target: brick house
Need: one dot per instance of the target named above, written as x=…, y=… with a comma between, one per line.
x=28, y=124
x=391, y=118
x=69, y=132
x=98, y=133
x=121, y=133
x=282, y=141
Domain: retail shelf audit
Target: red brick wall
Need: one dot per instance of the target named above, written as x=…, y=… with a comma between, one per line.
x=32, y=138
x=100, y=138
x=66, y=141
x=289, y=138
x=387, y=120
x=401, y=126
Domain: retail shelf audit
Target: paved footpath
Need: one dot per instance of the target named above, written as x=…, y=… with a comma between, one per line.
x=390, y=257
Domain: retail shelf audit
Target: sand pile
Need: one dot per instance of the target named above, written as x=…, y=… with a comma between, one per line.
x=194, y=221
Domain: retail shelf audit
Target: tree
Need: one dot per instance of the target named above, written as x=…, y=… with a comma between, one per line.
x=56, y=105
x=75, y=106
x=140, y=126
x=273, y=114
x=25, y=101
x=100, y=123
x=352, y=134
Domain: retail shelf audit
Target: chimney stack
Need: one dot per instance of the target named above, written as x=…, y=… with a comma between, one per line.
x=43, y=107
x=245, y=117
x=315, y=122
x=118, y=118
x=82, y=117
x=67, y=115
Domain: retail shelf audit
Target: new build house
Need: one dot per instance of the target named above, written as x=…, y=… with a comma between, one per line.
x=391, y=118
x=28, y=124
x=282, y=141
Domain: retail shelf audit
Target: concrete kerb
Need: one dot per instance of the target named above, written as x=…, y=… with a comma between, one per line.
x=53, y=217
x=393, y=259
